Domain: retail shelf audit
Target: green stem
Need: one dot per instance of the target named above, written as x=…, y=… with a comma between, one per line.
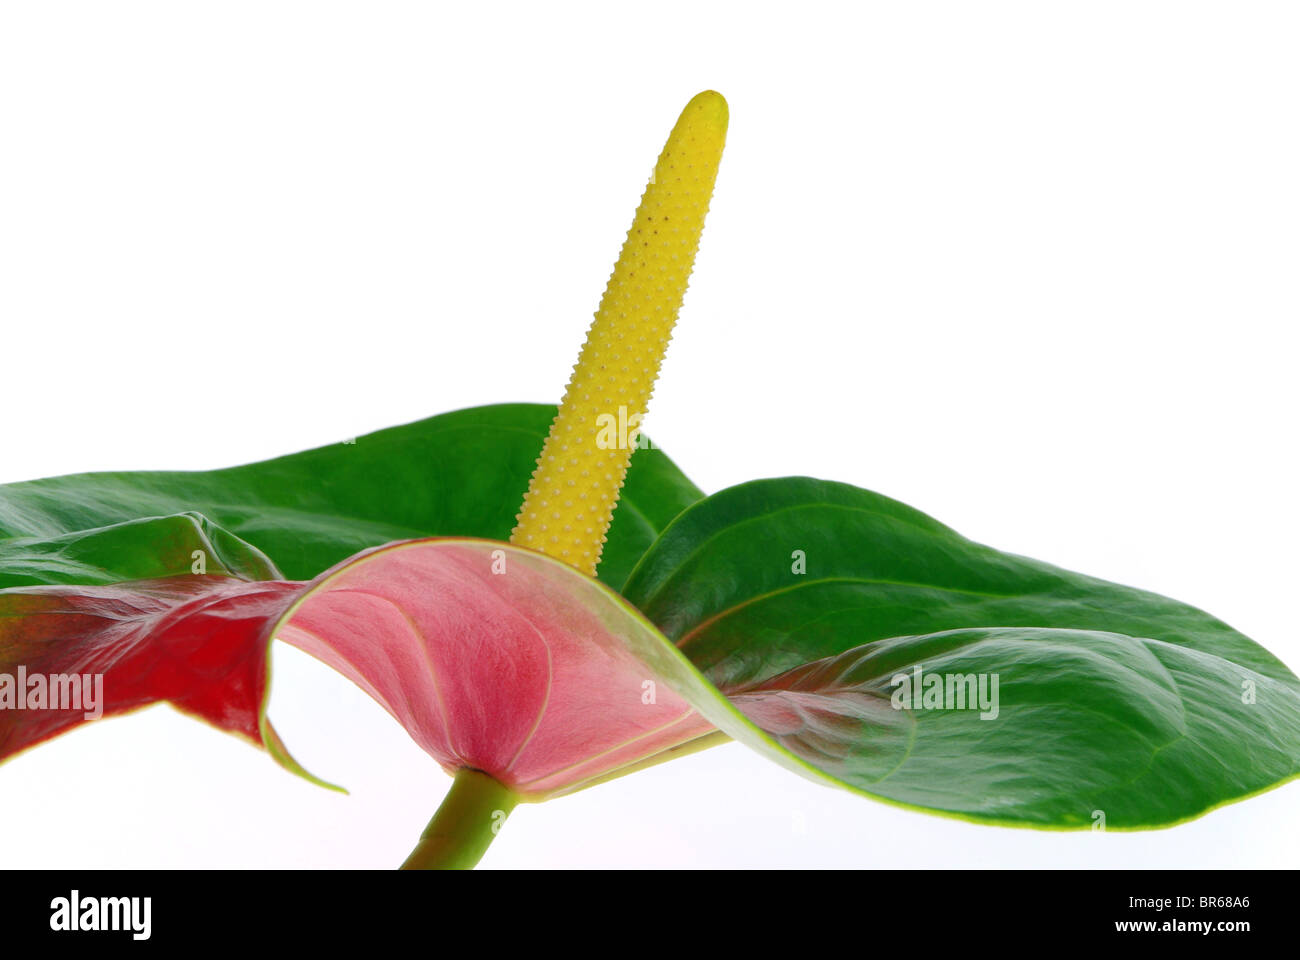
x=465, y=825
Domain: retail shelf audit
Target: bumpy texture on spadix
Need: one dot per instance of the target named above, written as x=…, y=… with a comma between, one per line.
x=575, y=487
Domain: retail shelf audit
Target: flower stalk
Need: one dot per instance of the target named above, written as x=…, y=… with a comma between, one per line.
x=465, y=825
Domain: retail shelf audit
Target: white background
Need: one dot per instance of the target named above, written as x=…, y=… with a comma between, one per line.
x=1029, y=267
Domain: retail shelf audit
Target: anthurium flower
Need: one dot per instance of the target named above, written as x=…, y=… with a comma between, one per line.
x=847, y=636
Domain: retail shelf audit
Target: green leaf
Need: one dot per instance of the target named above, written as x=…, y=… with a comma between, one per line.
x=1111, y=698
x=134, y=550
x=458, y=474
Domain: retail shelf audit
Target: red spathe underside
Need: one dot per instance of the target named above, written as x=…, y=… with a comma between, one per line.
x=194, y=641
x=492, y=662
x=491, y=657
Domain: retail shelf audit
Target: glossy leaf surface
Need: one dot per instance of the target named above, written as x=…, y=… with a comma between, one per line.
x=1111, y=698
x=458, y=474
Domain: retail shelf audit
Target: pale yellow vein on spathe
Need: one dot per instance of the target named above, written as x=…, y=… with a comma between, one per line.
x=571, y=500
